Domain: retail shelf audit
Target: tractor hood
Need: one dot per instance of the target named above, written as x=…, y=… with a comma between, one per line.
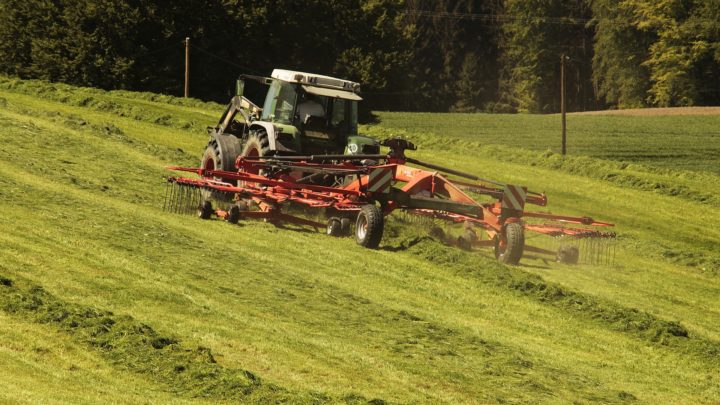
x=322, y=91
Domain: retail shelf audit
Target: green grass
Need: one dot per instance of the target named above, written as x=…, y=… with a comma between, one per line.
x=689, y=142
x=129, y=293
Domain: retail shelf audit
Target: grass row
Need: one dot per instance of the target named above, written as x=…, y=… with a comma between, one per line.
x=187, y=371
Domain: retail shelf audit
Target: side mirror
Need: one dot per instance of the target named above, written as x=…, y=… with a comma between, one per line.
x=239, y=87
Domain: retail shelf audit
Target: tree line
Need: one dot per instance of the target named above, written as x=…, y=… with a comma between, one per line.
x=415, y=55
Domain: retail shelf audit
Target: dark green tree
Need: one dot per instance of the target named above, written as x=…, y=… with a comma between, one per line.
x=536, y=34
x=445, y=32
x=621, y=48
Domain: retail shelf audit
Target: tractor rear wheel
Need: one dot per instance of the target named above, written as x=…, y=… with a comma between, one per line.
x=510, y=243
x=369, y=226
x=212, y=160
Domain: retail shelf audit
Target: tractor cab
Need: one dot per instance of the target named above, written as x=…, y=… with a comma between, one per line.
x=303, y=114
x=318, y=112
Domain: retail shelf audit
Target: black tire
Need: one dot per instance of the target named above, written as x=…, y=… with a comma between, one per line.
x=464, y=242
x=205, y=210
x=257, y=144
x=568, y=254
x=334, y=227
x=220, y=154
x=345, y=226
x=369, y=226
x=233, y=214
x=514, y=237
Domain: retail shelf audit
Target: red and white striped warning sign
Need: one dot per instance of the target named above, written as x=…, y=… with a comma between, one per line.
x=379, y=179
x=514, y=197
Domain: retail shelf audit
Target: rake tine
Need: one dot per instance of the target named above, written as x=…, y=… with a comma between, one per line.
x=607, y=251
x=595, y=249
x=178, y=198
x=198, y=198
x=193, y=200
x=170, y=196
x=181, y=200
x=186, y=195
x=171, y=202
x=167, y=185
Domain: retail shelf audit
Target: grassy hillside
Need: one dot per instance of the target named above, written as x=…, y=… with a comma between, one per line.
x=105, y=297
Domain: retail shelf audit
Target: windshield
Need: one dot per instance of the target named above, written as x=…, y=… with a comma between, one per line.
x=282, y=97
x=279, y=103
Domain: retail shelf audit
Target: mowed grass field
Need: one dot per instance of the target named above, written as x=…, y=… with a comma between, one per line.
x=676, y=142
x=106, y=298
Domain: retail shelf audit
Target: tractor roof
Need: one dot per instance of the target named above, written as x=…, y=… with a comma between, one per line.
x=319, y=84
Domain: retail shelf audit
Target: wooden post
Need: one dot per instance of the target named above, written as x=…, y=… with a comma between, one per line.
x=187, y=67
x=562, y=101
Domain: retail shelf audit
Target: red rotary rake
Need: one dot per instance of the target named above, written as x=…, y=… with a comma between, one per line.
x=364, y=189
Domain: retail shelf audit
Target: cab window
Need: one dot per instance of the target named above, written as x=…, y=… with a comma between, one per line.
x=344, y=115
x=280, y=102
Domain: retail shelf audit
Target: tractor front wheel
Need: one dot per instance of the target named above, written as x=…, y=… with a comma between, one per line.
x=257, y=144
x=510, y=243
x=369, y=226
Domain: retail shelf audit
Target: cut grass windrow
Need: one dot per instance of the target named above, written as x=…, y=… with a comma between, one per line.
x=640, y=324
x=186, y=370
x=146, y=107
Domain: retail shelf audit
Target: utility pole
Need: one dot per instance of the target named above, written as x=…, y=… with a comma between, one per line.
x=562, y=101
x=187, y=67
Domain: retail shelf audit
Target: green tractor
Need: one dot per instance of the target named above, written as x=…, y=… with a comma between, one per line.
x=303, y=114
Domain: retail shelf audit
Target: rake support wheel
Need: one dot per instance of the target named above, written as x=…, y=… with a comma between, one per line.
x=334, y=227
x=369, y=226
x=568, y=254
x=233, y=214
x=510, y=243
x=205, y=210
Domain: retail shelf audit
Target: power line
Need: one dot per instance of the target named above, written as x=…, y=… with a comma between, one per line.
x=498, y=18
x=156, y=51
x=220, y=58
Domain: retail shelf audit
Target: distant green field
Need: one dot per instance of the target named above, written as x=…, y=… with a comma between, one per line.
x=106, y=298
x=673, y=142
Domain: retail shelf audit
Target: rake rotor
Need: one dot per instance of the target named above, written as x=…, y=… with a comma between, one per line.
x=364, y=189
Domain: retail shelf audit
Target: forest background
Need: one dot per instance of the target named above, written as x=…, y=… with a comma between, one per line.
x=410, y=55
